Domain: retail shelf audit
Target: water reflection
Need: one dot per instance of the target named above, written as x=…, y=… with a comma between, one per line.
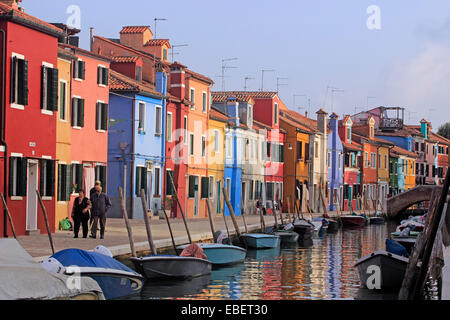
x=321, y=268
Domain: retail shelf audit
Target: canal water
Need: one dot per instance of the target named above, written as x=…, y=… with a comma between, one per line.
x=322, y=268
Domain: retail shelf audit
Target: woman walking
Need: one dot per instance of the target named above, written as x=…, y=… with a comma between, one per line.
x=80, y=214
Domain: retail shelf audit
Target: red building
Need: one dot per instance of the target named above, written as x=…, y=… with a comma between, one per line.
x=30, y=83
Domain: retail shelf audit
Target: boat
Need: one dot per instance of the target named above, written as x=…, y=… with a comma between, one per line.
x=407, y=242
x=395, y=247
x=22, y=278
x=115, y=279
x=410, y=234
x=376, y=220
x=333, y=226
x=170, y=266
x=221, y=254
x=287, y=236
x=163, y=288
x=392, y=269
x=304, y=228
x=260, y=241
x=353, y=221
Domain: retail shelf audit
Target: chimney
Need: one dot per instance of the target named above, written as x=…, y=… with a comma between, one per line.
x=135, y=36
x=12, y=3
x=424, y=128
x=233, y=110
x=306, y=114
x=161, y=82
x=92, y=38
x=334, y=122
x=177, y=80
x=322, y=121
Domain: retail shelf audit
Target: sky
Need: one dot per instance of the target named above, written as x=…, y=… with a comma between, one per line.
x=317, y=45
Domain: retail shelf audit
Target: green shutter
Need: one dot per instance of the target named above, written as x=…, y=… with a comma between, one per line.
x=98, y=108
x=104, y=107
x=81, y=113
x=54, y=90
x=82, y=70
x=103, y=177
x=138, y=180
x=106, y=76
x=23, y=82
x=72, y=118
x=59, y=187
x=68, y=183
x=99, y=75
x=13, y=79
x=44, y=93
x=144, y=180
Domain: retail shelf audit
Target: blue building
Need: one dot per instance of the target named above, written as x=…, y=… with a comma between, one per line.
x=136, y=138
x=335, y=163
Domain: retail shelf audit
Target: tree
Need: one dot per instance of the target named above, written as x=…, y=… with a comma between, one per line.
x=444, y=130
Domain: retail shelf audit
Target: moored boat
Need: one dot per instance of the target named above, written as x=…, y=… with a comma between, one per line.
x=407, y=242
x=261, y=241
x=221, y=254
x=304, y=228
x=376, y=220
x=114, y=278
x=392, y=269
x=353, y=221
x=161, y=266
x=287, y=236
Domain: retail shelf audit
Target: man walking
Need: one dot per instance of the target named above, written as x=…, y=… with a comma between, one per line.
x=100, y=206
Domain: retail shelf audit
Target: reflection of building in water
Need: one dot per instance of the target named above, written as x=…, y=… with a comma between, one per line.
x=271, y=270
x=333, y=283
x=318, y=270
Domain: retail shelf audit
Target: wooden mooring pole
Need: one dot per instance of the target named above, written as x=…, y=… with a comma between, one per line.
x=147, y=223
x=127, y=222
x=9, y=215
x=181, y=209
x=212, y=223
x=230, y=208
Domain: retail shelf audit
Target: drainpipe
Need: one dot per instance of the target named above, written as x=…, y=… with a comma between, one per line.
x=132, y=168
x=3, y=130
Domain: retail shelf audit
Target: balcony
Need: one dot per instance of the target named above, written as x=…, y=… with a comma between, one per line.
x=391, y=124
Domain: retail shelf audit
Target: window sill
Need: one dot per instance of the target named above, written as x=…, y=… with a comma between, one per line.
x=62, y=202
x=16, y=198
x=47, y=112
x=62, y=120
x=78, y=79
x=102, y=85
x=76, y=128
x=101, y=131
x=47, y=198
x=17, y=106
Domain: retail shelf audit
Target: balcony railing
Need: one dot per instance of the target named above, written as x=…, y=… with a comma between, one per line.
x=390, y=123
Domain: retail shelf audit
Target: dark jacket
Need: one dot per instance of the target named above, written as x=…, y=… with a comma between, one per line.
x=79, y=207
x=100, y=204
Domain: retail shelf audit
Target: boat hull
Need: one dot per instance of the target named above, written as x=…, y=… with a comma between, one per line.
x=407, y=242
x=305, y=232
x=353, y=221
x=392, y=269
x=153, y=267
x=261, y=241
x=287, y=236
x=333, y=226
x=376, y=220
x=220, y=254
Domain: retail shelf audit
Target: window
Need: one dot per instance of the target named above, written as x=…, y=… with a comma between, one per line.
x=229, y=188
x=205, y=188
x=169, y=127
x=47, y=178
x=373, y=160
x=165, y=54
x=157, y=181
x=191, y=144
x=379, y=161
x=307, y=151
x=139, y=73
x=216, y=141
x=229, y=147
x=101, y=122
x=49, y=88
x=385, y=161
x=64, y=182
x=329, y=159
x=371, y=132
x=19, y=81
x=100, y=175
x=340, y=161
x=192, y=98
x=263, y=151
x=275, y=113
x=17, y=177
x=102, y=75
x=158, y=127
x=316, y=149
x=141, y=122
x=185, y=127
x=79, y=69
x=250, y=190
x=269, y=191
x=211, y=187
x=77, y=177
x=366, y=159
x=349, y=134
x=141, y=180
x=77, y=112
x=204, y=102
x=203, y=146
x=299, y=150
x=63, y=100
x=169, y=187
x=192, y=186
x=268, y=150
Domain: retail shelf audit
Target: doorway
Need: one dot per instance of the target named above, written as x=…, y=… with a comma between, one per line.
x=196, y=197
x=32, y=185
x=150, y=190
x=219, y=196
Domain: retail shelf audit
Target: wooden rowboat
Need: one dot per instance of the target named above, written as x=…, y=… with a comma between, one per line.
x=221, y=254
x=353, y=221
x=261, y=241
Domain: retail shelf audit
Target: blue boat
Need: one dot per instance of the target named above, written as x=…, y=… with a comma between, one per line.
x=261, y=241
x=114, y=278
x=221, y=254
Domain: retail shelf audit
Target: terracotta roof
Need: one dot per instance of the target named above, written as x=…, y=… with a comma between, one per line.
x=363, y=132
x=295, y=124
x=139, y=53
x=157, y=42
x=217, y=115
x=120, y=82
x=352, y=146
x=403, y=152
x=261, y=125
x=125, y=59
x=78, y=50
x=222, y=96
x=439, y=138
x=405, y=132
x=297, y=117
x=134, y=29
x=199, y=76
x=7, y=11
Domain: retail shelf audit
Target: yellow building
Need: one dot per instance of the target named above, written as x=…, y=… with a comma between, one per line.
x=63, y=132
x=383, y=175
x=410, y=172
x=216, y=159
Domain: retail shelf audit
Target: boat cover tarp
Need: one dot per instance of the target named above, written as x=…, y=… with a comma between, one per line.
x=21, y=277
x=396, y=248
x=193, y=250
x=82, y=258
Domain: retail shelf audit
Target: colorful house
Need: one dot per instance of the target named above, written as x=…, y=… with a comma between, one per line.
x=31, y=104
x=335, y=164
x=136, y=139
x=296, y=167
x=89, y=122
x=405, y=169
x=352, y=172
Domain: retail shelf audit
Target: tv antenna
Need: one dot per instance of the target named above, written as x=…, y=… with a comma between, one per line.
x=262, y=77
x=333, y=91
x=156, y=21
x=245, y=82
x=281, y=84
x=224, y=68
x=177, y=46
